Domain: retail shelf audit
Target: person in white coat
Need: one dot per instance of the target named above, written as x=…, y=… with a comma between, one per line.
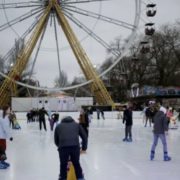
x=4, y=135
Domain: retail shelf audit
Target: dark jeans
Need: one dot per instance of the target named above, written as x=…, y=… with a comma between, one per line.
x=128, y=132
x=98, y=114
x=40, y=124
x=148, y=119
x=71, y=153
x=51, y=124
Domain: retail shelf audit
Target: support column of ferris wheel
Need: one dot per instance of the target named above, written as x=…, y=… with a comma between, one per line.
x=8, y=88
x=97, y=86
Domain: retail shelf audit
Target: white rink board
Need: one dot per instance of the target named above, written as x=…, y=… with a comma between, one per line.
x=50, y=103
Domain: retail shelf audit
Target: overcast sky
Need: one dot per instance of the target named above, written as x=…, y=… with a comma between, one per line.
x=46, y=69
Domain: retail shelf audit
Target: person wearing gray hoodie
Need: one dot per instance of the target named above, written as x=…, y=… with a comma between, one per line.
x=160, y=130
x=66, y=138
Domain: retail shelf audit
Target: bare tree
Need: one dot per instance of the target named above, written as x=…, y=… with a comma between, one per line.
x=158, y=67
x=61, y=81
x=166, y=53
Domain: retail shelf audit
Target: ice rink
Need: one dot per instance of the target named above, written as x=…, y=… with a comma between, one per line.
x=33, y=155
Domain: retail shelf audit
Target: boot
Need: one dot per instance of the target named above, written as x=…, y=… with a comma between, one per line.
x=5, y=163
x=2, y=166
x=152, y=155
x=129, y=140
x=125, y=139
x=166, y=157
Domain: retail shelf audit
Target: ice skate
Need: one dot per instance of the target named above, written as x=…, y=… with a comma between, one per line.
x=129, y=140
x=125, y=139
x=2, y=166
x=5, y=163
x=166, y=157
x=152, y=155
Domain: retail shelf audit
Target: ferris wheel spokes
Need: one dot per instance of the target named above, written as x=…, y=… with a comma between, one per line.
x=22, y=4
x=99, y=17
x=79, y=1
x=21, y=18
x=91, y=33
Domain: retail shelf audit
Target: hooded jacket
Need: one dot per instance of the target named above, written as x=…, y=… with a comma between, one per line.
x=67, y=134
x=5, y=131
x=160, y=123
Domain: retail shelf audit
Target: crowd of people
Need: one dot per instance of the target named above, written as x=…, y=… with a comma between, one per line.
x=171, y=114
x=68, y=131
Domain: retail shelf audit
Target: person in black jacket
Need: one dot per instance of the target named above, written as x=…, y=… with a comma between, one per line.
x=127, y=119
x=66, y=138
x=42, y=113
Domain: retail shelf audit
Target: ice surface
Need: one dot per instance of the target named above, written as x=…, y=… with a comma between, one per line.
x=33, y=155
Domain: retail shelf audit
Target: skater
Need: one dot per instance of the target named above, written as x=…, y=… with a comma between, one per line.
x=162, y=108
x=100, y=111
x=29, y=116
x=160, y=130
x=12, y=118
x=4, y=135
x=169, y=115
x=54, y=119
x=149, y=114
x=119, y=115
x=178, y=116
x=84, y=120
x=90, y=114
x=42, y=113
x=127, y=119
x=143, y=113
x=66, y=138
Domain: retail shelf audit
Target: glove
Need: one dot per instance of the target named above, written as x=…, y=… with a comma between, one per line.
x=11, y=138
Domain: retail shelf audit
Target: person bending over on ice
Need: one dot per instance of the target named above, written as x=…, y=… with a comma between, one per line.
x=66, y=138
x=160, y=130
